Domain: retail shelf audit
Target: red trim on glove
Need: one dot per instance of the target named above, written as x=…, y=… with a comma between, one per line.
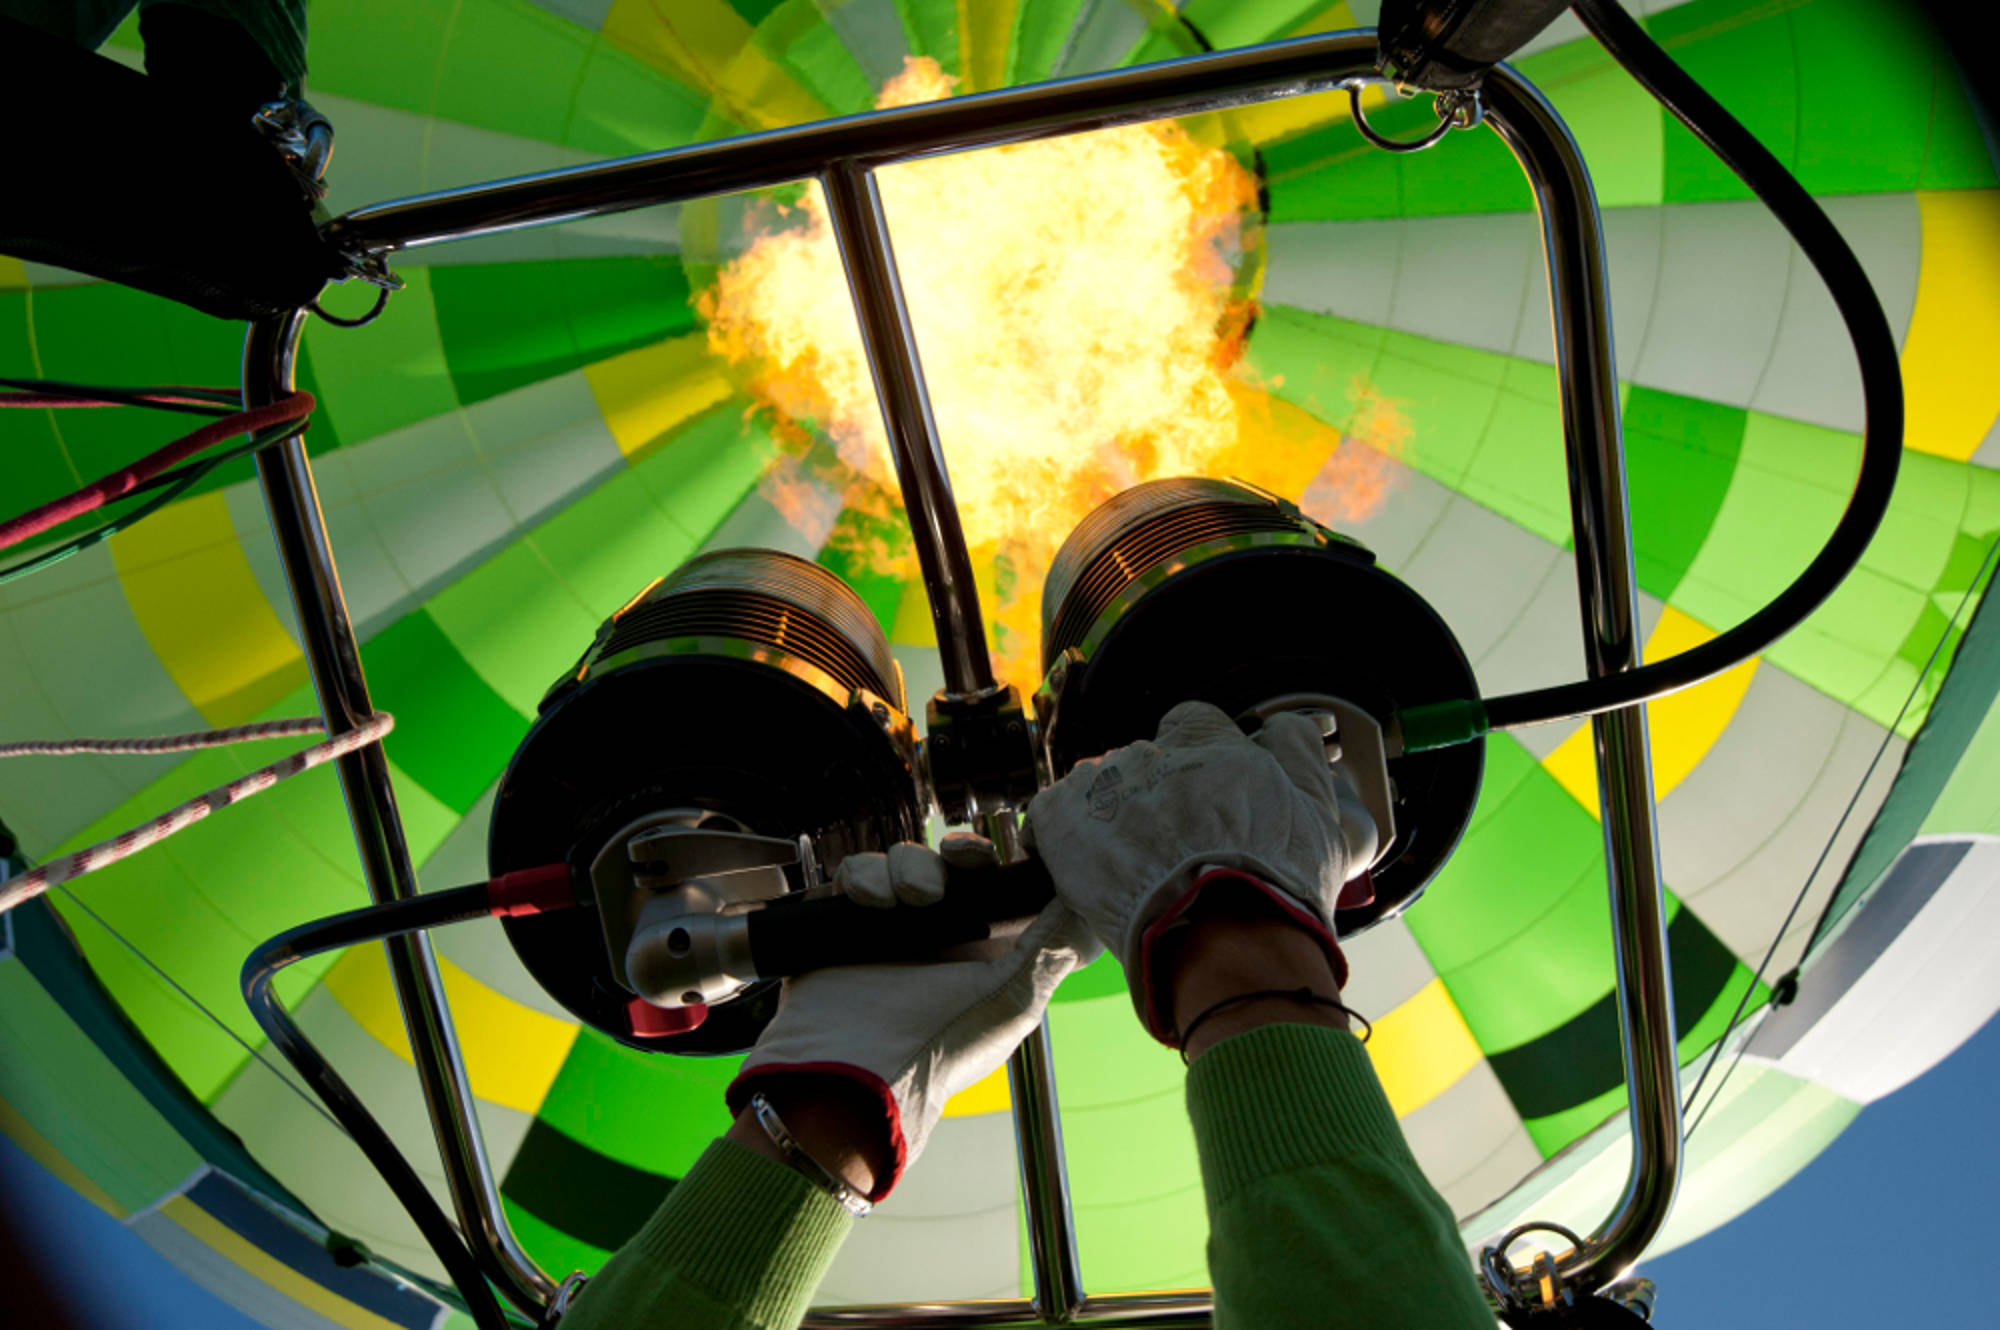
x=651, y=1022
x=752, y=1079
x=1158, y=1022
x=1356, y=892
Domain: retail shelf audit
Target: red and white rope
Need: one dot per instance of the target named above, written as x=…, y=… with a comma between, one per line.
x=34, y=882
x=168, y=743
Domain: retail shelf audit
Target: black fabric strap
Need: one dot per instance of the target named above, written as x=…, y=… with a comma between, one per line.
x=1304, y=995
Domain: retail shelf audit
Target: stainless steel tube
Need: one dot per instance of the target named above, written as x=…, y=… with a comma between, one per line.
x=1145, y=92
x=1153, y=1311
x=1579, y=304
x=1031, y=1081
x=1031, y=1078
x=334, y=660
x=861, y=230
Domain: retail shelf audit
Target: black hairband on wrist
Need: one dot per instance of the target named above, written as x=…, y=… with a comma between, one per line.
x=1305, y=995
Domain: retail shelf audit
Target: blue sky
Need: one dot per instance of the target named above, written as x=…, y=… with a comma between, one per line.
x=1897, y=1216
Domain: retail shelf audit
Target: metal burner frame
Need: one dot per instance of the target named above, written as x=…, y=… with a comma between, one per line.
x=843, y=155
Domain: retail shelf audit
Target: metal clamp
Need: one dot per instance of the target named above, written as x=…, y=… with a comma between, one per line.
x=1544, y=1285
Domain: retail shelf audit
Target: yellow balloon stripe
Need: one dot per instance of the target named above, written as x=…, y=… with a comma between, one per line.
x=1683, y=725
x=708, y=45
x=1954, y=341
x=13, y=274
x=512, y=1052
x=990, y=1095
x=37, y=1147
x=646, y=392
x=1422, y=1048
x=985, y=31
x=201, y=608
x=238, y=1250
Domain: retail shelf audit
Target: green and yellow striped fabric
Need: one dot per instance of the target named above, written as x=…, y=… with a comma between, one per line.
x=536, y=428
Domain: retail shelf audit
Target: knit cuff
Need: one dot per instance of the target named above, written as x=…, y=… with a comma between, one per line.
x=1284, y=1097
x=747, y=1232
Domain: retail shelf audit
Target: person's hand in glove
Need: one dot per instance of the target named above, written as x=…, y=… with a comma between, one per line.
x=860, y=1059
x=1151, y=835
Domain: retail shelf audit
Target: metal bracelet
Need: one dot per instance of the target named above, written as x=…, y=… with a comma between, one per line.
x=767, y=1117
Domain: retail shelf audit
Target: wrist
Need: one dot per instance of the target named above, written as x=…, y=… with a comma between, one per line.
x=1239, y=945
x=838, y=1124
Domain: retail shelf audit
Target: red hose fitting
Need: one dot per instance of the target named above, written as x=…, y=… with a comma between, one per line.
x=531, y=891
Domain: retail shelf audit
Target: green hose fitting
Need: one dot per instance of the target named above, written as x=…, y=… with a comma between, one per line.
x=1441, y=724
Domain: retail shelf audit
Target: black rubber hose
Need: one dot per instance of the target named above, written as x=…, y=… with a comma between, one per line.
x=797, y=934
x=1881, y=390
x=372, y=924
x=146, y=397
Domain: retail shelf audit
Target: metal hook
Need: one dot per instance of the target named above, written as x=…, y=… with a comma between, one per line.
x=1456, y=109
x=374, y=312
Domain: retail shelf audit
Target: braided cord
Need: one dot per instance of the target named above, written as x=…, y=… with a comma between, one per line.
x=34, y=882
x=168, y=743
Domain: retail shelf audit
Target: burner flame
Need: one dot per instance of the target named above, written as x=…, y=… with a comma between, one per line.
x=1080, y=319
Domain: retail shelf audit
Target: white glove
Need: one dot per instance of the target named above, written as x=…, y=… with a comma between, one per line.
x=917, y=1034
x=1132, y=838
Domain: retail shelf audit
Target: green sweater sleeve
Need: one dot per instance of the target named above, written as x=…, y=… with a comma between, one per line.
x=740, y=1243
x=1317, y=1212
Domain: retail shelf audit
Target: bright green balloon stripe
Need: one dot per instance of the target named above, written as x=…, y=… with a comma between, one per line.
x=91, y=1115
x=1517, y=923
x=1485, y=424
x=1134, y=1178
x=932, y=30
x=1728, y=505
x=813, y=51
x=1041, y=29
x=198, y=904
x=654, y=1113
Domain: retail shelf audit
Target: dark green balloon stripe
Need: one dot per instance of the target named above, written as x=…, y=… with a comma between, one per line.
x=1838, y=89
x=95, y=332
x=1680, y=456
x=573, y=1188
x=1580, y=1059
x=453, y=732
x=507, y=325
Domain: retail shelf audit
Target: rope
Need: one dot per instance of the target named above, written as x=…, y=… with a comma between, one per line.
x=34, y=882
x=168, y=743
x=121, y=482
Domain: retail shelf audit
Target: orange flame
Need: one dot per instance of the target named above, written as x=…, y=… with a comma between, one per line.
x=1074, y=313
